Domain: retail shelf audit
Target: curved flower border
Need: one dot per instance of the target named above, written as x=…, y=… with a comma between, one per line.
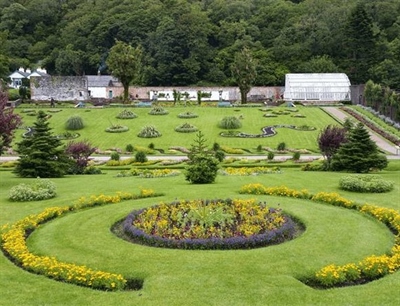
x=13, y=244
x=267, y=131
x=368, y=269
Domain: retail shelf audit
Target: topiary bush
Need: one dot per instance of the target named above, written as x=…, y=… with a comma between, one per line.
x=149, y=131
x=74, y=122
x=230, y=122
x=281, y=146
x=126, y=114
x=42, y=189
x=365, y=183
x=115, y=156
x=129, y=148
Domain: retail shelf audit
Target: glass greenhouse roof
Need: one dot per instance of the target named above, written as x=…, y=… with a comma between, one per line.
x=317, y=87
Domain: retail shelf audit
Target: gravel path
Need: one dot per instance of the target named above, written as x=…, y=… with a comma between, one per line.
x=383, y=144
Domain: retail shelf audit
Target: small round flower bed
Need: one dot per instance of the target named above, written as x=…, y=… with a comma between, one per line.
x=158, y=110
x=149, y=131
x=117, y=128
x=209, y=224
x=67, y=135
x=126, y=114
x=187, y=115
x=365, y=183
x=186, y=128
x=42, y=189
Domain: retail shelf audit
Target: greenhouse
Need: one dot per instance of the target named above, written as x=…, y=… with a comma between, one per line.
x=317, y=87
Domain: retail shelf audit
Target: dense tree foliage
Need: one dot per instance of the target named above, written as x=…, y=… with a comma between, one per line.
x=359, y=153
x=329, y=141
x=194, y=42
x=41, y=154
x=9, y=121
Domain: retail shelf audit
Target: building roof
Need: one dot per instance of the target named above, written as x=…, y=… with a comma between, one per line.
x=102, y=81
x=317, y=86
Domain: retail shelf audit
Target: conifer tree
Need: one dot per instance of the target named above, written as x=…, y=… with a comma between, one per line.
x=359, y=153
x=41, y=154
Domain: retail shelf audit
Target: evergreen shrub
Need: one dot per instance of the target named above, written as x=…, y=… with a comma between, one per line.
x=74, y=122
x=230, y=122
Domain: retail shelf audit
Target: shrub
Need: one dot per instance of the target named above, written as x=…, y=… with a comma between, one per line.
x=129, y=148
x=115, y=156
x=216, y=146
x=151, y=146
x=270, y=155
x=149, y=131
x=140, y=157
x=220, y=155
x=365, y=183
x=126, y=114
x=296, y=156
x=230, y=122
x=74, y=123
x=42, y=189
x=91, y=170
x=281, y=146
x=259, y=148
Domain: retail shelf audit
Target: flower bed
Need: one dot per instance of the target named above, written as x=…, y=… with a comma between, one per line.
x=365, y=183
x=209, y=224
x=244, y=171
x=188, y=115
x=117, y=128
x=42, y=189
x=267, y=131
x=126, y=114
x=147, y=173
x=13, y=244
x=186, y=128
x=370, y=268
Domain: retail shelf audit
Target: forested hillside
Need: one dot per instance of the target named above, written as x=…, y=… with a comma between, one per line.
x=194, y=42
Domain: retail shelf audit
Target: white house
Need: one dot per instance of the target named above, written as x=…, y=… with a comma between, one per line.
x=100, y=86
x=20, y=74
x=317, y=87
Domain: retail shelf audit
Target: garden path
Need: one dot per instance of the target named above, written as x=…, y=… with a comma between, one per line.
x=380, y=142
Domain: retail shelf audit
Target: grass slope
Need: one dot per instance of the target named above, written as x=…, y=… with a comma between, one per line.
x=97, y=120
x=265, y=276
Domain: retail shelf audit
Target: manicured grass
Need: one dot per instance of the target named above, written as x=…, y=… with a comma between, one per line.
x=264, y=276
x=97, y=120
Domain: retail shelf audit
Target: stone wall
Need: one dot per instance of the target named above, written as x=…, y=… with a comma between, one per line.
x=60, y=88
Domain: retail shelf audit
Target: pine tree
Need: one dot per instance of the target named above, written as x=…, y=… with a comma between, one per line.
x=40, y=155
x=203, y=165
x=359, y=154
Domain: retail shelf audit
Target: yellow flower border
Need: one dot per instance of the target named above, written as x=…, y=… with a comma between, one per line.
x=371, y=267
x=13, y=244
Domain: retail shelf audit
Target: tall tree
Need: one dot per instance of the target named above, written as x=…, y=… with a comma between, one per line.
x=125, y=63
x=9, y=121
x=244, y=71
x=359, y=153
x=360, y=44
x=329, y=141
x=41, y=154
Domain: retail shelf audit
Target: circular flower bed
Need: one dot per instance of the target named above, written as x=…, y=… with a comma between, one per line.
x=126, y=114
x=158, y=110
x=188, y=115
x=67, y=135
x=186, y=128
x=209, y=224
x=116, y=128
x=365, y=183
x=42, y=189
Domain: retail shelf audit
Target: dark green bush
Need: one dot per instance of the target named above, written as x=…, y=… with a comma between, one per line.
x=74, y=122
x=281, y=146
x=220, y=155
x=115, y=156
x=129, y=148
x=270, y=155
x=230, y=122
x=140, y=157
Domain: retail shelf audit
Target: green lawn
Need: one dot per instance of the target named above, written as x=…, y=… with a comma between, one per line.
x=97, y=120
x=264, y=276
